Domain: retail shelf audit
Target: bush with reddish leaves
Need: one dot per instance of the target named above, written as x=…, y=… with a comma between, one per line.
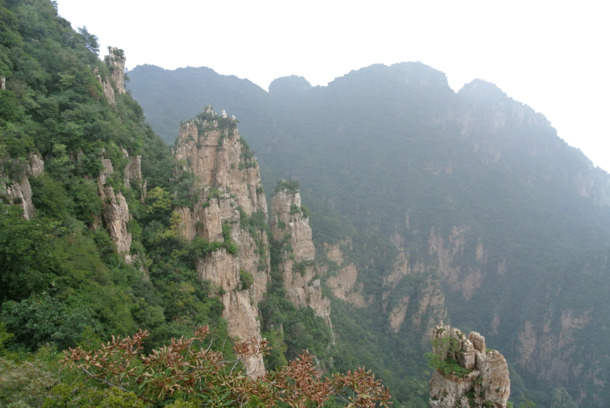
x=189, y=370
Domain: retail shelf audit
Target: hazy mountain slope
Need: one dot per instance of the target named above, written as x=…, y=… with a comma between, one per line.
x=476, y=189
x=151, y=83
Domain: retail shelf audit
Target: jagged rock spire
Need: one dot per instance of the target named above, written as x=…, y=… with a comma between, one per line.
x=466, y=373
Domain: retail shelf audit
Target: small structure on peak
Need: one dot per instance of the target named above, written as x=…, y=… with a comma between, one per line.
x=466, y=374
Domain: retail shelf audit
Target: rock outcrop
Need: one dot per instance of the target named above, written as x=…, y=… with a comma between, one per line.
x=115, y=211
x=344, y=280
x=230, y=197
x=115, y=60
x=418, y=308
x=19, y=191
x=467, y=374
x=290, y=227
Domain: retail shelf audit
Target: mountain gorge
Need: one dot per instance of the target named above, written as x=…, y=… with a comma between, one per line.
x=429, y=204
x=347, y=220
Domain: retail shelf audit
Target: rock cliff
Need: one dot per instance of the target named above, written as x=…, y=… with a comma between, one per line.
x=290, y=227
x=115, y=84
x=466, y=374
x=115, y=212
x=116, y=62
x=344, y=282
x=230, y=198
x=19, y=191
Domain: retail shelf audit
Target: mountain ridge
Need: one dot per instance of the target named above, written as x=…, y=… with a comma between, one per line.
x=475, y=188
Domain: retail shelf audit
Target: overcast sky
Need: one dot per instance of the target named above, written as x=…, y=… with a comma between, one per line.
x=551, y=55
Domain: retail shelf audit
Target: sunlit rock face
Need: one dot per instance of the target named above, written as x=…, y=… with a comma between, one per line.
x=229, y=192
x=471, y=375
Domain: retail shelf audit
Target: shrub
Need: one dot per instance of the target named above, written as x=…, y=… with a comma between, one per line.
x=189, y=369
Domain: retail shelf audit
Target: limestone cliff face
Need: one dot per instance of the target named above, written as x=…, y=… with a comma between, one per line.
x=547, y=348
x=290, y=226
x=413, y=297
x=210, y=147
x=229, y=189
x=115, y=60
x=115, y=210
x=19, y=191
x=463, y=278
x=344, y=283
x=482, y=380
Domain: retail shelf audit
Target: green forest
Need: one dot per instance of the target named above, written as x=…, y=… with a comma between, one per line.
x=492, y=216
x=83, y=323
x=424, y=206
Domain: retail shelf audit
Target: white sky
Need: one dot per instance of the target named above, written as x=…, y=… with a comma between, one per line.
x=551, y=55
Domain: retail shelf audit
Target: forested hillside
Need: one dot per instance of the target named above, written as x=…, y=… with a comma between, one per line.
x=423, y=204
x=429, y=204
x=131, y=275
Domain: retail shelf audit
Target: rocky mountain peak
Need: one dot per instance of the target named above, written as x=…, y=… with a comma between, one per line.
x=116, y=62
x=211, y=148
x=228, y=185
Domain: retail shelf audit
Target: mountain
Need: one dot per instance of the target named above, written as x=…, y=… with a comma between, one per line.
x=132, y=274
x=428, y=204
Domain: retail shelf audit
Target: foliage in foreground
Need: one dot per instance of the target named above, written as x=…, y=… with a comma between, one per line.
x=187, y=372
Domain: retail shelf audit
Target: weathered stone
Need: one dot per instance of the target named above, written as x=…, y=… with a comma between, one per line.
x=20, y=192
x=116, y=216
x=467, y=357
x=116, y=62
x=214, y=155
x=478, y=341
x=229, y=188
x=133, y=171
x=487, y=383
x=115, y=212
x=242, y=318
x=298, y=264
x=36, y=165
x=495, y=382
x=106, y=172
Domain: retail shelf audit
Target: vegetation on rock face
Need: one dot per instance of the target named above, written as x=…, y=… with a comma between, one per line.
x=63, y=284
x=476, y=190
x=443, y=358
x=292, y=186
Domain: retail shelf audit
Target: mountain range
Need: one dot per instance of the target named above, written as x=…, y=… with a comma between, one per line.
x=398, y=210
x=460, y=206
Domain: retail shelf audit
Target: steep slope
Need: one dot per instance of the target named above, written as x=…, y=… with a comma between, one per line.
x=231, y=94
x=467, y=202
x=291, y=231
x=104, y=229
x=229, y=192
x=95, y=237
